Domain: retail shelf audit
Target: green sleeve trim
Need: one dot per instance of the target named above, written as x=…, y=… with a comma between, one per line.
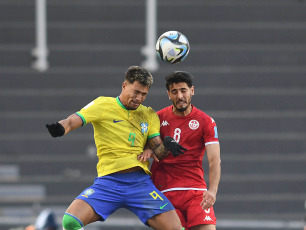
x=82, y=117
x=153, y=135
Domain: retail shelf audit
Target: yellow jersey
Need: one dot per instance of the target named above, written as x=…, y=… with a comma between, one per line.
x=120, y=134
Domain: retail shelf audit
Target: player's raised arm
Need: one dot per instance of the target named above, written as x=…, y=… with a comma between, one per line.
x=161, y=148
x=65, y=126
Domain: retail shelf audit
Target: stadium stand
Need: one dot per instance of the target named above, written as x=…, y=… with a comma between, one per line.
x=248, y=58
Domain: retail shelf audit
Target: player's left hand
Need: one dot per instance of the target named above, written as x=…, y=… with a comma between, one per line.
x=209, y=199
x=146, y=154
x=171, y=145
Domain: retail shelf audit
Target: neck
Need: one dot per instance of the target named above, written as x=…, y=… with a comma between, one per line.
x=120, y=99
x=182, y=113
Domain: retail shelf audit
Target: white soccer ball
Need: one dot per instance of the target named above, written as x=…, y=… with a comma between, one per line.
x=172, y=47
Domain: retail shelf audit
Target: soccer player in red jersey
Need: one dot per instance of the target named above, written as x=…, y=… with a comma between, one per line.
x=181, y=178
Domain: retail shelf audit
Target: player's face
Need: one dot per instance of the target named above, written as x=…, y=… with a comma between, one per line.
x=180, y=95
x=133, y=94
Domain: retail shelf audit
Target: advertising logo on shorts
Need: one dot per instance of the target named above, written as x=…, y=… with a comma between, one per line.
x=88, y=192
x=194, y=124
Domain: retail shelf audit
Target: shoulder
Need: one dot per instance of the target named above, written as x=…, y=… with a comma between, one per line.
x=164, y=111
x=203, y=116
x=100, y=103
x=104, y=100
x=146, y=109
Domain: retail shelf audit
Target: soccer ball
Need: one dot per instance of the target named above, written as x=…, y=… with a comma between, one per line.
x=172, y=47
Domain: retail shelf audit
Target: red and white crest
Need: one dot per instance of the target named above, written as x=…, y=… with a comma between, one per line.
x=193, y=124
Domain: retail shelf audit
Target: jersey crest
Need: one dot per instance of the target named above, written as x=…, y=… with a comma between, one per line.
x=144, y=127
x=194, y=124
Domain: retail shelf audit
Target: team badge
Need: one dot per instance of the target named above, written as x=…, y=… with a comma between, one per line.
x=194, y=124
x=88, y=192
x=144, y=127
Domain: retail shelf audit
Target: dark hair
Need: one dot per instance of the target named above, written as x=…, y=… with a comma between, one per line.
x=177, y=77
x=137, y=73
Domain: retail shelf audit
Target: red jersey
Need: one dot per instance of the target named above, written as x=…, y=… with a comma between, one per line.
x=193, y=132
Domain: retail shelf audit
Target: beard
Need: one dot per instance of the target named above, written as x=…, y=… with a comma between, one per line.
x=133, y=107
x=180, y=109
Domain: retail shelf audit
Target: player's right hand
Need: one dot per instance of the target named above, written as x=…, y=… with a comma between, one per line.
x=209, y=199
x=56, y=129
x=146, y=154
x=171, y=145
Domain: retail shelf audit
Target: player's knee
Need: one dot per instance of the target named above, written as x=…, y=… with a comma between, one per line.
x=71, y=222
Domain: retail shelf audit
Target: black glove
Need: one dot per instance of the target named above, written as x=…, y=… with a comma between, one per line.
x=56, y=129
x=172, y=146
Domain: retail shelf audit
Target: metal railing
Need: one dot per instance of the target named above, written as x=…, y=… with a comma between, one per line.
x=40, y=52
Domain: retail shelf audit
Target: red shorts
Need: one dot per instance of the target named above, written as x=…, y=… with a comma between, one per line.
x=187, y=205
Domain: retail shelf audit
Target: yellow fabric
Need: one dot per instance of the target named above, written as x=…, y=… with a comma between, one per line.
x=120, y=134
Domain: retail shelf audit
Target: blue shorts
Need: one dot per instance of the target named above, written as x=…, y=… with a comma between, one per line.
x=134, y=191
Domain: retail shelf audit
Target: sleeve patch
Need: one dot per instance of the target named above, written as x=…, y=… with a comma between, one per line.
x=216, y=132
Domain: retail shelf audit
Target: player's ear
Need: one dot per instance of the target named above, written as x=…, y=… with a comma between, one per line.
x=123, y=85
x=169, y=95
x=192, y=90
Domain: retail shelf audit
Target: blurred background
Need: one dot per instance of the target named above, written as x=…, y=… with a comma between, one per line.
x=248, y=58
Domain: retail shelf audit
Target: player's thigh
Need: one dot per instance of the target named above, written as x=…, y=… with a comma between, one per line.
x=83, y=211
x=165, y=221
x=182, y=218
x=204, y=227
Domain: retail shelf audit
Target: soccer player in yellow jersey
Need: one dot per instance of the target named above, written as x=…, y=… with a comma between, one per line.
x=122, y=128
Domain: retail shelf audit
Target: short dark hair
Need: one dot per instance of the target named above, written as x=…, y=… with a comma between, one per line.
x=137, y=73
x=177, y=77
